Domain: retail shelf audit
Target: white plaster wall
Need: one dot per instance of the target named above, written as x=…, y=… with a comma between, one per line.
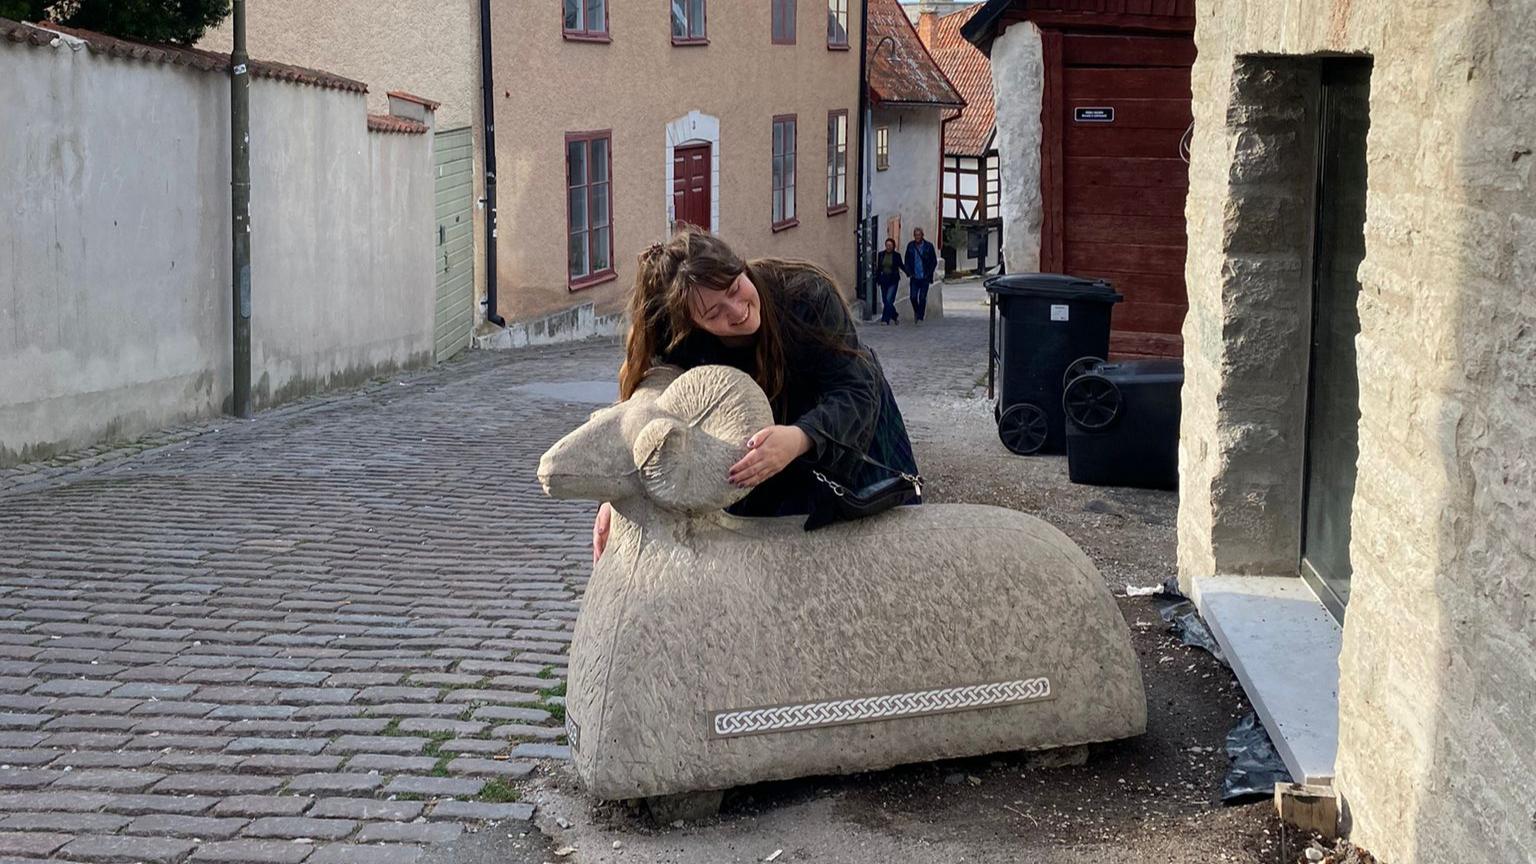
x=115, y=245
x=1018, y=78
x=910, y=187
x=341, y=243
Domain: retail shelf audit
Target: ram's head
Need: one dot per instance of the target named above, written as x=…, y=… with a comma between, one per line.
x=673, y=442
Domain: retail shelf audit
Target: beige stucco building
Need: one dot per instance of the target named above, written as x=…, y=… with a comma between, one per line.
x=694, y=124
x=1360, y=400
x=710, y=99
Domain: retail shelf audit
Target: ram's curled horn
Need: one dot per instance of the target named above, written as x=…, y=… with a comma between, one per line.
x=685, y=459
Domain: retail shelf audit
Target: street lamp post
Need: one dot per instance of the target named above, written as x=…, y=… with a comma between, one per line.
x=240, y=211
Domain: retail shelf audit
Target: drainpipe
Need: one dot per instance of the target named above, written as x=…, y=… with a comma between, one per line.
x=488, y=121
x=240, y=212
x=866, y=271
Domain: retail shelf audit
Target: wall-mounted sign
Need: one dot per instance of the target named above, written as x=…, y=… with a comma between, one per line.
x=1093, y=115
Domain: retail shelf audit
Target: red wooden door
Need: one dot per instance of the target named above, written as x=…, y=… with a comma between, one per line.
x=1116, y=181
x=690, y=185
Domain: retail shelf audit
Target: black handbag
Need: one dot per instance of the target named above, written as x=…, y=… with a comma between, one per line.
x=845, y=505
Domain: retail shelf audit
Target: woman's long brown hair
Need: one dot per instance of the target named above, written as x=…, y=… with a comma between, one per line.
x=660, y=318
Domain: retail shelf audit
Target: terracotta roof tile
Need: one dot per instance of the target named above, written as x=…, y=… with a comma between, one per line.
x=391, y=123
x=419, y=100
x=900, y=69
x=175, y=55
x=970, y=131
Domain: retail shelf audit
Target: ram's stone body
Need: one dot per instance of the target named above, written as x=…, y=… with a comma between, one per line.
x=713, y=651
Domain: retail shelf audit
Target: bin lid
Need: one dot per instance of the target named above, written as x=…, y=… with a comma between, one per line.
x=1055, y=286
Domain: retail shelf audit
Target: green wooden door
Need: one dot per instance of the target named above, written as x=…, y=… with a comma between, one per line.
x=454, y=160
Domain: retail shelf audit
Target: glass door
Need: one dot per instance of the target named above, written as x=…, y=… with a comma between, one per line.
x=1333, y=409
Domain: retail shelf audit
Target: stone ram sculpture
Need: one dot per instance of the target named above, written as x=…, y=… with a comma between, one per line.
x=713, y=651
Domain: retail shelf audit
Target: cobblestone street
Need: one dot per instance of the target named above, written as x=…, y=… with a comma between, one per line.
x=338, y=632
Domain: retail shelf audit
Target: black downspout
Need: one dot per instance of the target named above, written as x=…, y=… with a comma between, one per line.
x=488, y=120
x=861, y=262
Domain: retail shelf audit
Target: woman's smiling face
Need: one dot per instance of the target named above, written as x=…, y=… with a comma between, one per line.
x=734, y=313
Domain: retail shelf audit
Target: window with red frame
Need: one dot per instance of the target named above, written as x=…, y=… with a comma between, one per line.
x=837, y=23
x=586, y=19
x=784, y=146
x=688, y=22
x=783, y=22
x=588, y=203
x=837, y=161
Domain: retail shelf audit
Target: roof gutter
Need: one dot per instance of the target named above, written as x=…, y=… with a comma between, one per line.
x=488, y=121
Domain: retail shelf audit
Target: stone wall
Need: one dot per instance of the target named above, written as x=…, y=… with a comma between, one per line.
x=115, y=263
x=1438, y=673
x=1018, y=81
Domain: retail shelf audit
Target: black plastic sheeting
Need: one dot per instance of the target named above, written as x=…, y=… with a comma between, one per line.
x=1180, y=613
x=1256, y=766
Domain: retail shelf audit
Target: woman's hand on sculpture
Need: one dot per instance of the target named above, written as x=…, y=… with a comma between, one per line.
x=600, y=530
x=768, y=452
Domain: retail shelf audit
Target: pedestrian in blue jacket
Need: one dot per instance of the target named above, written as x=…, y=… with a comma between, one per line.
x=921, y=262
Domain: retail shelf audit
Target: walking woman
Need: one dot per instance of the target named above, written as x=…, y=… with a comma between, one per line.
x=696, y=302
x=888, y=270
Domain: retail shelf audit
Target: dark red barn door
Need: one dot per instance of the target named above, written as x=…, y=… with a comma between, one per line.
x=690, y=184
x=1114, y=179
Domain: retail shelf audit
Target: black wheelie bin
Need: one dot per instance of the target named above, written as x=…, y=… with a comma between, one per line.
x=1052, y=326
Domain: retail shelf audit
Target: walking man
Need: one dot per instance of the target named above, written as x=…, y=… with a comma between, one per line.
x=888, y=270
x=922, y=260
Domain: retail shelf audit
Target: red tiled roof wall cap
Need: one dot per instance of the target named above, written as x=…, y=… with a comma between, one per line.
x=900, y=68
x=970, y=131
x=398, y=125
x=412, y=97
x=176, y=55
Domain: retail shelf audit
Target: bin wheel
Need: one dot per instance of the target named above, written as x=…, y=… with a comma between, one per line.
x=1081, y=366
x=1092, y=402
x=1023, y=428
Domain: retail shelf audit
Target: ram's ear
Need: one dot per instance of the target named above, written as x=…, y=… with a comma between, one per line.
x=685, y=470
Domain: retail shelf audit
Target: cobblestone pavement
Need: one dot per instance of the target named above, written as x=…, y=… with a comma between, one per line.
x=335, y=633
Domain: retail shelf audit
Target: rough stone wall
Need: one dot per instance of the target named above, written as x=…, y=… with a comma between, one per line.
x=1018, y=81
x=1438, y=673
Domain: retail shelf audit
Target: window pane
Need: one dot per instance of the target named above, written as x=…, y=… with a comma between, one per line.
x=577, y=259
x=576, y=201
x=599, y=160
x=789, y=197
x=599, y=199
x=576, y=162
x=696, y=18
x=789, y=168
x=778, y=205
x=778, y=139
x=600, y=250
x=597, y=15
x=778, y=172
x=679, y=20
x=573, y=14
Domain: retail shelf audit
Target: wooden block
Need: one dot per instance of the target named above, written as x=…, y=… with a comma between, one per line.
x=1310, y=808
